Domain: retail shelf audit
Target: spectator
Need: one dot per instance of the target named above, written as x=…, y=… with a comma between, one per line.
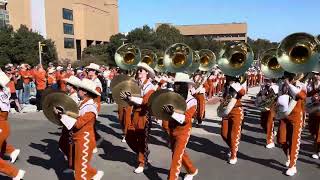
x=40, y=80
x=26, y=77
x=19, y=86
x=12, y=88
x=52, y=81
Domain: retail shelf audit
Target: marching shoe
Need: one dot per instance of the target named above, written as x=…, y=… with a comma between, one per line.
x=95, y=150
x=233, y=161
x=291, y=171
x=316, y=156
x=190, y=176
x=14, y=155
x=98, y=176
x=124, y=140
x=288, y=162
x=139, y=170
x=270, y=146
x=20, y=175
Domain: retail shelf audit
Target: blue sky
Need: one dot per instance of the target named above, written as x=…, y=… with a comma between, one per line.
x=269, y=19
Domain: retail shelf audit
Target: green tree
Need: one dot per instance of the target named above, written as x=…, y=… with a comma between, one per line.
x=167, y=35
x=5, y=45
x=259, y=46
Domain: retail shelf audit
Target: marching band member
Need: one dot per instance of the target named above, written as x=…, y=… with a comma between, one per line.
x=199, y=94
x=65, y=141
x=5, y=167
x=138, y=130
x=82, y=128
x=180, y=129
x=232, y=116
x=314, y=115
x=268, y=93
x=93, y=70
x=292, y=121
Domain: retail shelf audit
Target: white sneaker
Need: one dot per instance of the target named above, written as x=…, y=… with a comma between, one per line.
x=288, y=162
x=98, y=176
x=14, y=155
x=233, y=161
x=270, y=146
x=315, y=156
x=20, y=175
x=139, y=170
x=124, y=140
x=95, y=150
x=190, y=176
x=229, y=154
x=291, y=171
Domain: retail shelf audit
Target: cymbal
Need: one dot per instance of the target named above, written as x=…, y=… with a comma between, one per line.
x=49, y=91
x=155, y=94
x=129, y=86
x=119, y=78
x=58, y=99
x=172, y=98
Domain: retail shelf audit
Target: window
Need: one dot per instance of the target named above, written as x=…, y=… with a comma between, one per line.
x=68, y=28
x=69, y=43
x=67, y=14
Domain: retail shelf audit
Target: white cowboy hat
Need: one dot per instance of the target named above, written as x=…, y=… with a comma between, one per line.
x=315, y=72
x=94, y=66
x=89, y=85
x=73, y=81
x=79, y=71
x=51, y=70
x=59, y=68
x=4, y=79
x=147, y=68
x=183, y=77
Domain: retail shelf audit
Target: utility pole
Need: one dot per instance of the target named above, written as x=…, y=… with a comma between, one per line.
x=40, y=45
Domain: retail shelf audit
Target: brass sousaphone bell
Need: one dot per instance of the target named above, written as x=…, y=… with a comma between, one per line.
x=235, y=58
x=270, y=66
x=207, y=59
x=166, y=97
x=127, y=56
x=178, y=57
x=298, y=52
x=195, y=63
x=149, y=57
x=160, y=68
x=58, y=99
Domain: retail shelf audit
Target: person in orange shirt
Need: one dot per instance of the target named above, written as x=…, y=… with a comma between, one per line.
x=40, y=80
x=52, y=81
x=26, y=77
x=12, y=88
x=232, y=116
x=180, y=128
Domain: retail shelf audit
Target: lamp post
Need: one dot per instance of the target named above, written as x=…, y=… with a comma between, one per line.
x=40, y=45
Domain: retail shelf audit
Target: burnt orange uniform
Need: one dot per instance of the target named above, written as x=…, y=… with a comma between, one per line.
x=84, y=139
x=138, y=129
x=179, y=137
x=125, y=117
x=199, y=94
x=231, y=125
x=291, y=127
x=5, y=167
x=314, y=119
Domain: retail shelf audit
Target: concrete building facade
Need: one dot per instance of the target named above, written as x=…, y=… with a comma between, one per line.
x=218, y=32
x=72, y=24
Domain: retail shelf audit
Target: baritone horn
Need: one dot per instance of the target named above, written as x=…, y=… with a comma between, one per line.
x=235, y=58
x=127, y=56
x=178, y=57
x=270, y=66
x=149, y=57
x=298, y=52
x=207, y=59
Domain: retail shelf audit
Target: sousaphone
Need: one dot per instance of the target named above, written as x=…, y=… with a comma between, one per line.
x=270, y=66
x=160, y=68
x=149, y=57
x=207, y=59
x=127, y=56
x=178, y=57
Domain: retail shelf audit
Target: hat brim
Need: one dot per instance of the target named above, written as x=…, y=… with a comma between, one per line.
x=89, y=89
x=88, y=67
x=71, y=82
x=151, y=74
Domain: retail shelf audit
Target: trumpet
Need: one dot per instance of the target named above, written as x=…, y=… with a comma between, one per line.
x=149, y=57
x=127, y=56
x=270, y=66
x=178, y=57
x=298, y=52
x=235, y=58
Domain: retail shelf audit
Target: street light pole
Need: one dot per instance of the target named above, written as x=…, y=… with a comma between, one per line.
x=40, y=52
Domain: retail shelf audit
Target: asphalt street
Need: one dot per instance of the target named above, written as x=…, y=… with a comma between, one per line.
x=37, y=138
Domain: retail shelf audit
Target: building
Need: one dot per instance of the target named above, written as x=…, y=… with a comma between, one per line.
x=72, y=24
x=219, y=32
x=4, y=16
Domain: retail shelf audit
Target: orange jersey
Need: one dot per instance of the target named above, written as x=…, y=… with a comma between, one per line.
x=40, y=79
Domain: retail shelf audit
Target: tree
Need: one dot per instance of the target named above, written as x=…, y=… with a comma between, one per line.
x=167, y=35
x=259, y=46
x=22, y=47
